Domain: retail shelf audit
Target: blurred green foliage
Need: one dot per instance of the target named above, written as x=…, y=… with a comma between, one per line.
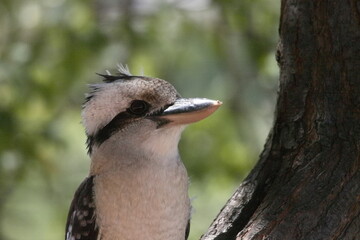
x=50, y=50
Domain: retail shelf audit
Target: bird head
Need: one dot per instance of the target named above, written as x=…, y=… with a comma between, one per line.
x=139, y=113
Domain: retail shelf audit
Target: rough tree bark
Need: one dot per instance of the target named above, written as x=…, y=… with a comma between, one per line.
x=306, y=184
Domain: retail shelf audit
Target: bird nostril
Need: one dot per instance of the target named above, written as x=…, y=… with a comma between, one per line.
x=161, y=110
x=167, y=106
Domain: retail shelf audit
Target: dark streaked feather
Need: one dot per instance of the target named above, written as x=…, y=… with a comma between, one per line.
x=81, y=221
x=116, y=124
x=119, y=122
x=93, y=90
x=187, y=231
x=124, y=74
x=89, y=144
x=107, y=78
x=112, y=78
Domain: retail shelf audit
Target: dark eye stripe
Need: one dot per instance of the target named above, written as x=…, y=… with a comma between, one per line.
x=119, y=122
x=116, y=124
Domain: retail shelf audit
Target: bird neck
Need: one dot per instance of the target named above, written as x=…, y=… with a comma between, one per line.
x=157, y=148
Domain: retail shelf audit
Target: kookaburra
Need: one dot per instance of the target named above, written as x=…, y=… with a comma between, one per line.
x=137, y=188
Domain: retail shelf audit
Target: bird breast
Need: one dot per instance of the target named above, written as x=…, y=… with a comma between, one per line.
x=143, y=202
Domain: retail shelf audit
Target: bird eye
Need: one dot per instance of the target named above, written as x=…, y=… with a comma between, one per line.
x=138, y=107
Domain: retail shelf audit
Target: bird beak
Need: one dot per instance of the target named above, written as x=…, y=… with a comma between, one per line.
x=189, y=110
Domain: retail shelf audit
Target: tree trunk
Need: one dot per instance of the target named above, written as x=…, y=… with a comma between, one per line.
x=306, y=184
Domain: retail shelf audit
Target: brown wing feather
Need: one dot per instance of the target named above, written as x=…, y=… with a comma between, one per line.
x=81, y=221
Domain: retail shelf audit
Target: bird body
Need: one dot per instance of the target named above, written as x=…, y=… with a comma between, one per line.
x=151, y=190
x=138, y=186
x=156, y=203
